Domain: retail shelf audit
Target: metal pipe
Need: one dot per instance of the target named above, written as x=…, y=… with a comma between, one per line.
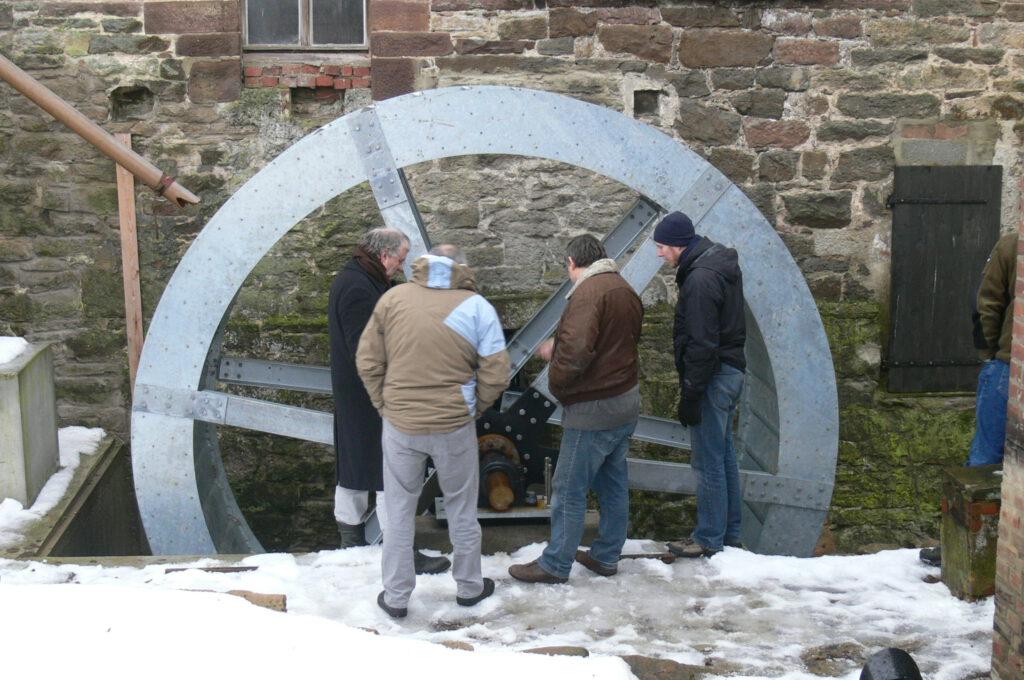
x=146, y=172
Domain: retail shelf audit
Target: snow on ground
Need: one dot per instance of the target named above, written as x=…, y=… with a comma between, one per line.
x=72, y=442
x=10, y=348
x=110, y=631
x=740, y=614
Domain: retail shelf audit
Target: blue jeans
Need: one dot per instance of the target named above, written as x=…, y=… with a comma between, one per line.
x=990, y=429
x=714, y=460
x=589, y=459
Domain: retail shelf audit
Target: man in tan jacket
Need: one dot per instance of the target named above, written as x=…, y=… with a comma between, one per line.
x=594, y=374
x=432, y=358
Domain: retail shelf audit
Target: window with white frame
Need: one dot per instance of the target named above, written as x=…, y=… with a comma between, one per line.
x=305, y=24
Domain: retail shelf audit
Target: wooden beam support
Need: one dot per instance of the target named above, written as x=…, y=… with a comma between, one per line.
x=130, y=263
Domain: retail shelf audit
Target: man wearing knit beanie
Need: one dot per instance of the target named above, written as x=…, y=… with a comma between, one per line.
x=708, y=336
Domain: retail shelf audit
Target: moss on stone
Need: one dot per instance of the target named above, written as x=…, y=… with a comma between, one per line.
x=102, y=294
x=96, y=343
x=16, y=307
x=103, y=201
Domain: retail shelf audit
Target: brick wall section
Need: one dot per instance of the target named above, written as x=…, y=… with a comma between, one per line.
x=1008, y=641
x=308, y=75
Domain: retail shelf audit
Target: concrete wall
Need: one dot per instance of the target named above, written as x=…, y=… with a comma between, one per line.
x=28, y=424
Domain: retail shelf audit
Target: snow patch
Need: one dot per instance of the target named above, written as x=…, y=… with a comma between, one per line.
x=73, y=442
x=125, y=631
x=11, y=348
x=737, y=614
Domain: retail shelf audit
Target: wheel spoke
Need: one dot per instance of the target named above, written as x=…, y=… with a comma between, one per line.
x=390, y=189
x=526, y=340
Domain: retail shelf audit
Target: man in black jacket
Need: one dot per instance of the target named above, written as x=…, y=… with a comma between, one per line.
x=709, y=334
x=357, y=425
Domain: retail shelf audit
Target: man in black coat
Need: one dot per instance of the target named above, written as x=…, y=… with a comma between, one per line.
x=357, y=425
x=708, y=334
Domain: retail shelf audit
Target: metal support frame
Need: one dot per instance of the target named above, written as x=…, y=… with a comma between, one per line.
x=788, y=428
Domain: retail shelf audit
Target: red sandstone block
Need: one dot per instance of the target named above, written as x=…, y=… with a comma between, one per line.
x=215, y=81
x=950, y=131
x=192, y=17
x=269, y=81
x=393, y=15
x=209, y=44
x=347, y=71
x=271, y=70
x=310, y=69
x=393, y=77
x=253, y=71
x=324, y=81
x=361, y=71
x=342, y=83
x=780, y=133
x=806, y=52
x=307, y=80
x=410, y=44
x=360, y=82
x=252, y=82
x=291, y=69
x=331, y=70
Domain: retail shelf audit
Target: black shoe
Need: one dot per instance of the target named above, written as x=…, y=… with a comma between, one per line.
x=735, y=544
x=688, y=547
x=351, y=535
x=484, y=594
x=393, y=612
x=425, y=564
x=931, y=556
x=584, y=558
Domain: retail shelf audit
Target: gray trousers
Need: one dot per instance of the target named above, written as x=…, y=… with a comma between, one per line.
x=457, y=459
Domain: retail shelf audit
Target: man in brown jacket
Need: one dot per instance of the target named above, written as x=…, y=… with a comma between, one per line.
x=993, y=337
x=594, y=374
x=432, y=358
x=995, y=313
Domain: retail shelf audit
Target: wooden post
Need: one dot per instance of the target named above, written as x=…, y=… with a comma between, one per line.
x=130, y=263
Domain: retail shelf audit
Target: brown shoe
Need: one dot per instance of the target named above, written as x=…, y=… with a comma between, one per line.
x=532, y=572
x=584, y=558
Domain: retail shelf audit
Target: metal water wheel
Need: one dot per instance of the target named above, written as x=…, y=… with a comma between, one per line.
x=787, y=435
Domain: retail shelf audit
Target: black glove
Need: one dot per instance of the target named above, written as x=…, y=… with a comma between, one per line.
x=689, y=412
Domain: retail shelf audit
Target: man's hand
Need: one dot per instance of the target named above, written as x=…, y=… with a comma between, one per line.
x=545, y=350
x=689, y=412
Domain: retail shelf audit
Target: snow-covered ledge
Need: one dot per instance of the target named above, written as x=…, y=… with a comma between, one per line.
x=28, y=422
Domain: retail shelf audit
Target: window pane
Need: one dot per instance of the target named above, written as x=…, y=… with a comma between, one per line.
x=273, y=22
x=338, y=22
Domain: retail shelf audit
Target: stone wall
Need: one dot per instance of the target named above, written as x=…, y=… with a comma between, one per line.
x=806, y=106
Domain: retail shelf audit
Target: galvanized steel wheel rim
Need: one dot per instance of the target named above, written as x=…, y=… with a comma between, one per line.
x=789, y=418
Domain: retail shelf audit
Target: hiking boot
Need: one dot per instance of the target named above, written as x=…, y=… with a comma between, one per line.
x=393, y=612
x=484, y=594
x=351, y=535
x=584, y=558
x=931, y=556
x=532, y=572
x=688, y=547
x=425, y=564
x=735, y=544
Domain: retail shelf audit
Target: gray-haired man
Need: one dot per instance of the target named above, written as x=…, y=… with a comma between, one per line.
x=357, y=426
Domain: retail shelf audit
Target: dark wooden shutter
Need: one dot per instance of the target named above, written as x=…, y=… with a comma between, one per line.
x=945, y=223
